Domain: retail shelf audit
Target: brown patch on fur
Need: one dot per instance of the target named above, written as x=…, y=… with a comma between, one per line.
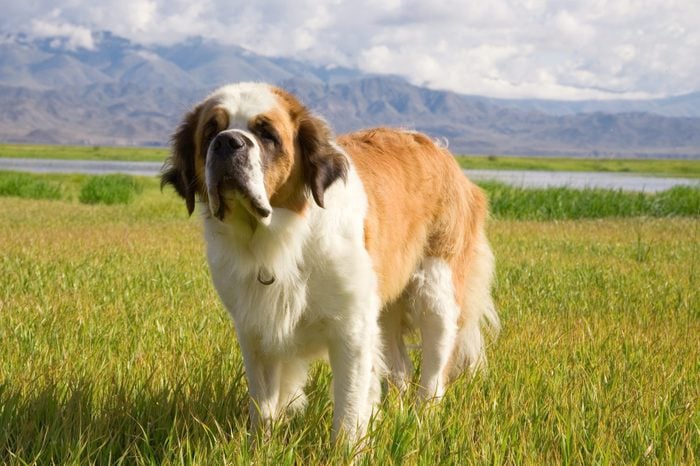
x=282, y=176
x=179, y=169
x=212, y=120
x=420, y=204
x=317, y=163
x=322, y=162
x=184, y=169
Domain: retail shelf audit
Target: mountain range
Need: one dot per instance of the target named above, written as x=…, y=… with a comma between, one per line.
x=123, y=93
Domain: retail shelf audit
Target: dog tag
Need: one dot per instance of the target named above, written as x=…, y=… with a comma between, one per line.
x=264, y=278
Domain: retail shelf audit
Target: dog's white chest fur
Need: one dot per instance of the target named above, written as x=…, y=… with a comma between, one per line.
x=270, y=313
x=312, y=257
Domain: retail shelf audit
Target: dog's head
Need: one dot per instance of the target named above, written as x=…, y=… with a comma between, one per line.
x=251, y=148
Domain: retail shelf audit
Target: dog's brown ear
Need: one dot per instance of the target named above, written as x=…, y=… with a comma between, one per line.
x=178, y=169
x=322, y=162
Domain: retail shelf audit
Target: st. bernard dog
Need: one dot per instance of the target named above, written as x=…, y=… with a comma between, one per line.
x=324, y=246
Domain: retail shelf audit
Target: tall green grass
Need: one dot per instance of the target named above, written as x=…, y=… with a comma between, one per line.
x=88, y=189
x=114, y=348
x=29, y=186
x=110, y=189
x=563, y=203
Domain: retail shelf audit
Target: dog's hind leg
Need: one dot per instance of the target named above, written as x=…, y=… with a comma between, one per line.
x=436, y=313
x=397, y=360
x=478, y=311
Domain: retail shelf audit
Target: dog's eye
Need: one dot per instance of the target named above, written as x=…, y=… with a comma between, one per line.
x=210, y=130
x=267, y=134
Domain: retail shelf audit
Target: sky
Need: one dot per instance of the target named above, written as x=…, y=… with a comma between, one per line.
x=558, y=49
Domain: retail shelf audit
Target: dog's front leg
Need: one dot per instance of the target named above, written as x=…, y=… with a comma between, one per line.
x=263, y=374
x=356, y=387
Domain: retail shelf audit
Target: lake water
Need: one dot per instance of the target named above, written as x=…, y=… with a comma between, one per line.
x=93, y=167
x=539, y=179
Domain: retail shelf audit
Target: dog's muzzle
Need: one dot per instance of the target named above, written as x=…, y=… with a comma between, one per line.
x=233, y=166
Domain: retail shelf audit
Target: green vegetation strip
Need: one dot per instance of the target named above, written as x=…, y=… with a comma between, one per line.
x=29, y=186
x=130, y=154
x=507, y=202
x=656, y=167
x=89, y=189
x=115, y=349
x=110, y=189
x=510, y=202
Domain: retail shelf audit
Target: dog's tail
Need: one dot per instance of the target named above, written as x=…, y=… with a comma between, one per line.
x=478, y=313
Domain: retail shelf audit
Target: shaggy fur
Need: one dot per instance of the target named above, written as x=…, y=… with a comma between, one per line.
x=325, y=247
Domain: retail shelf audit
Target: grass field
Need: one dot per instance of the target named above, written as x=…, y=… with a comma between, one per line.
x=678, y=168
x=114, y=348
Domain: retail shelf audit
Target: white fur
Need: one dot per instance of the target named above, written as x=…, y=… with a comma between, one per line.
x=244, y=100
x=393, y=324
x=470, y=349
x=435, y=313
x=323, y=301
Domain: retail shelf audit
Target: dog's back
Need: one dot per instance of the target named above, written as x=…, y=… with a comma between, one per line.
x=425, y=233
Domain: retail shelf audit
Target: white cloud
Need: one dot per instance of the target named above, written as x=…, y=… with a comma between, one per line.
x=75, y=36
x=505, y=48
x=141, y=14
x=573, y=29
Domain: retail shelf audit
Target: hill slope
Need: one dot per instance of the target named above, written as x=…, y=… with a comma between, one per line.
x=121, y=93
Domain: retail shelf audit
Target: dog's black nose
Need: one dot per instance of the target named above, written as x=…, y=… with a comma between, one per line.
x=227, y=143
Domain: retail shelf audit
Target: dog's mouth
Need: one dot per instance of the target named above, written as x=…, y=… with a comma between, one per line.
x=227, y=191
x=234, y=173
